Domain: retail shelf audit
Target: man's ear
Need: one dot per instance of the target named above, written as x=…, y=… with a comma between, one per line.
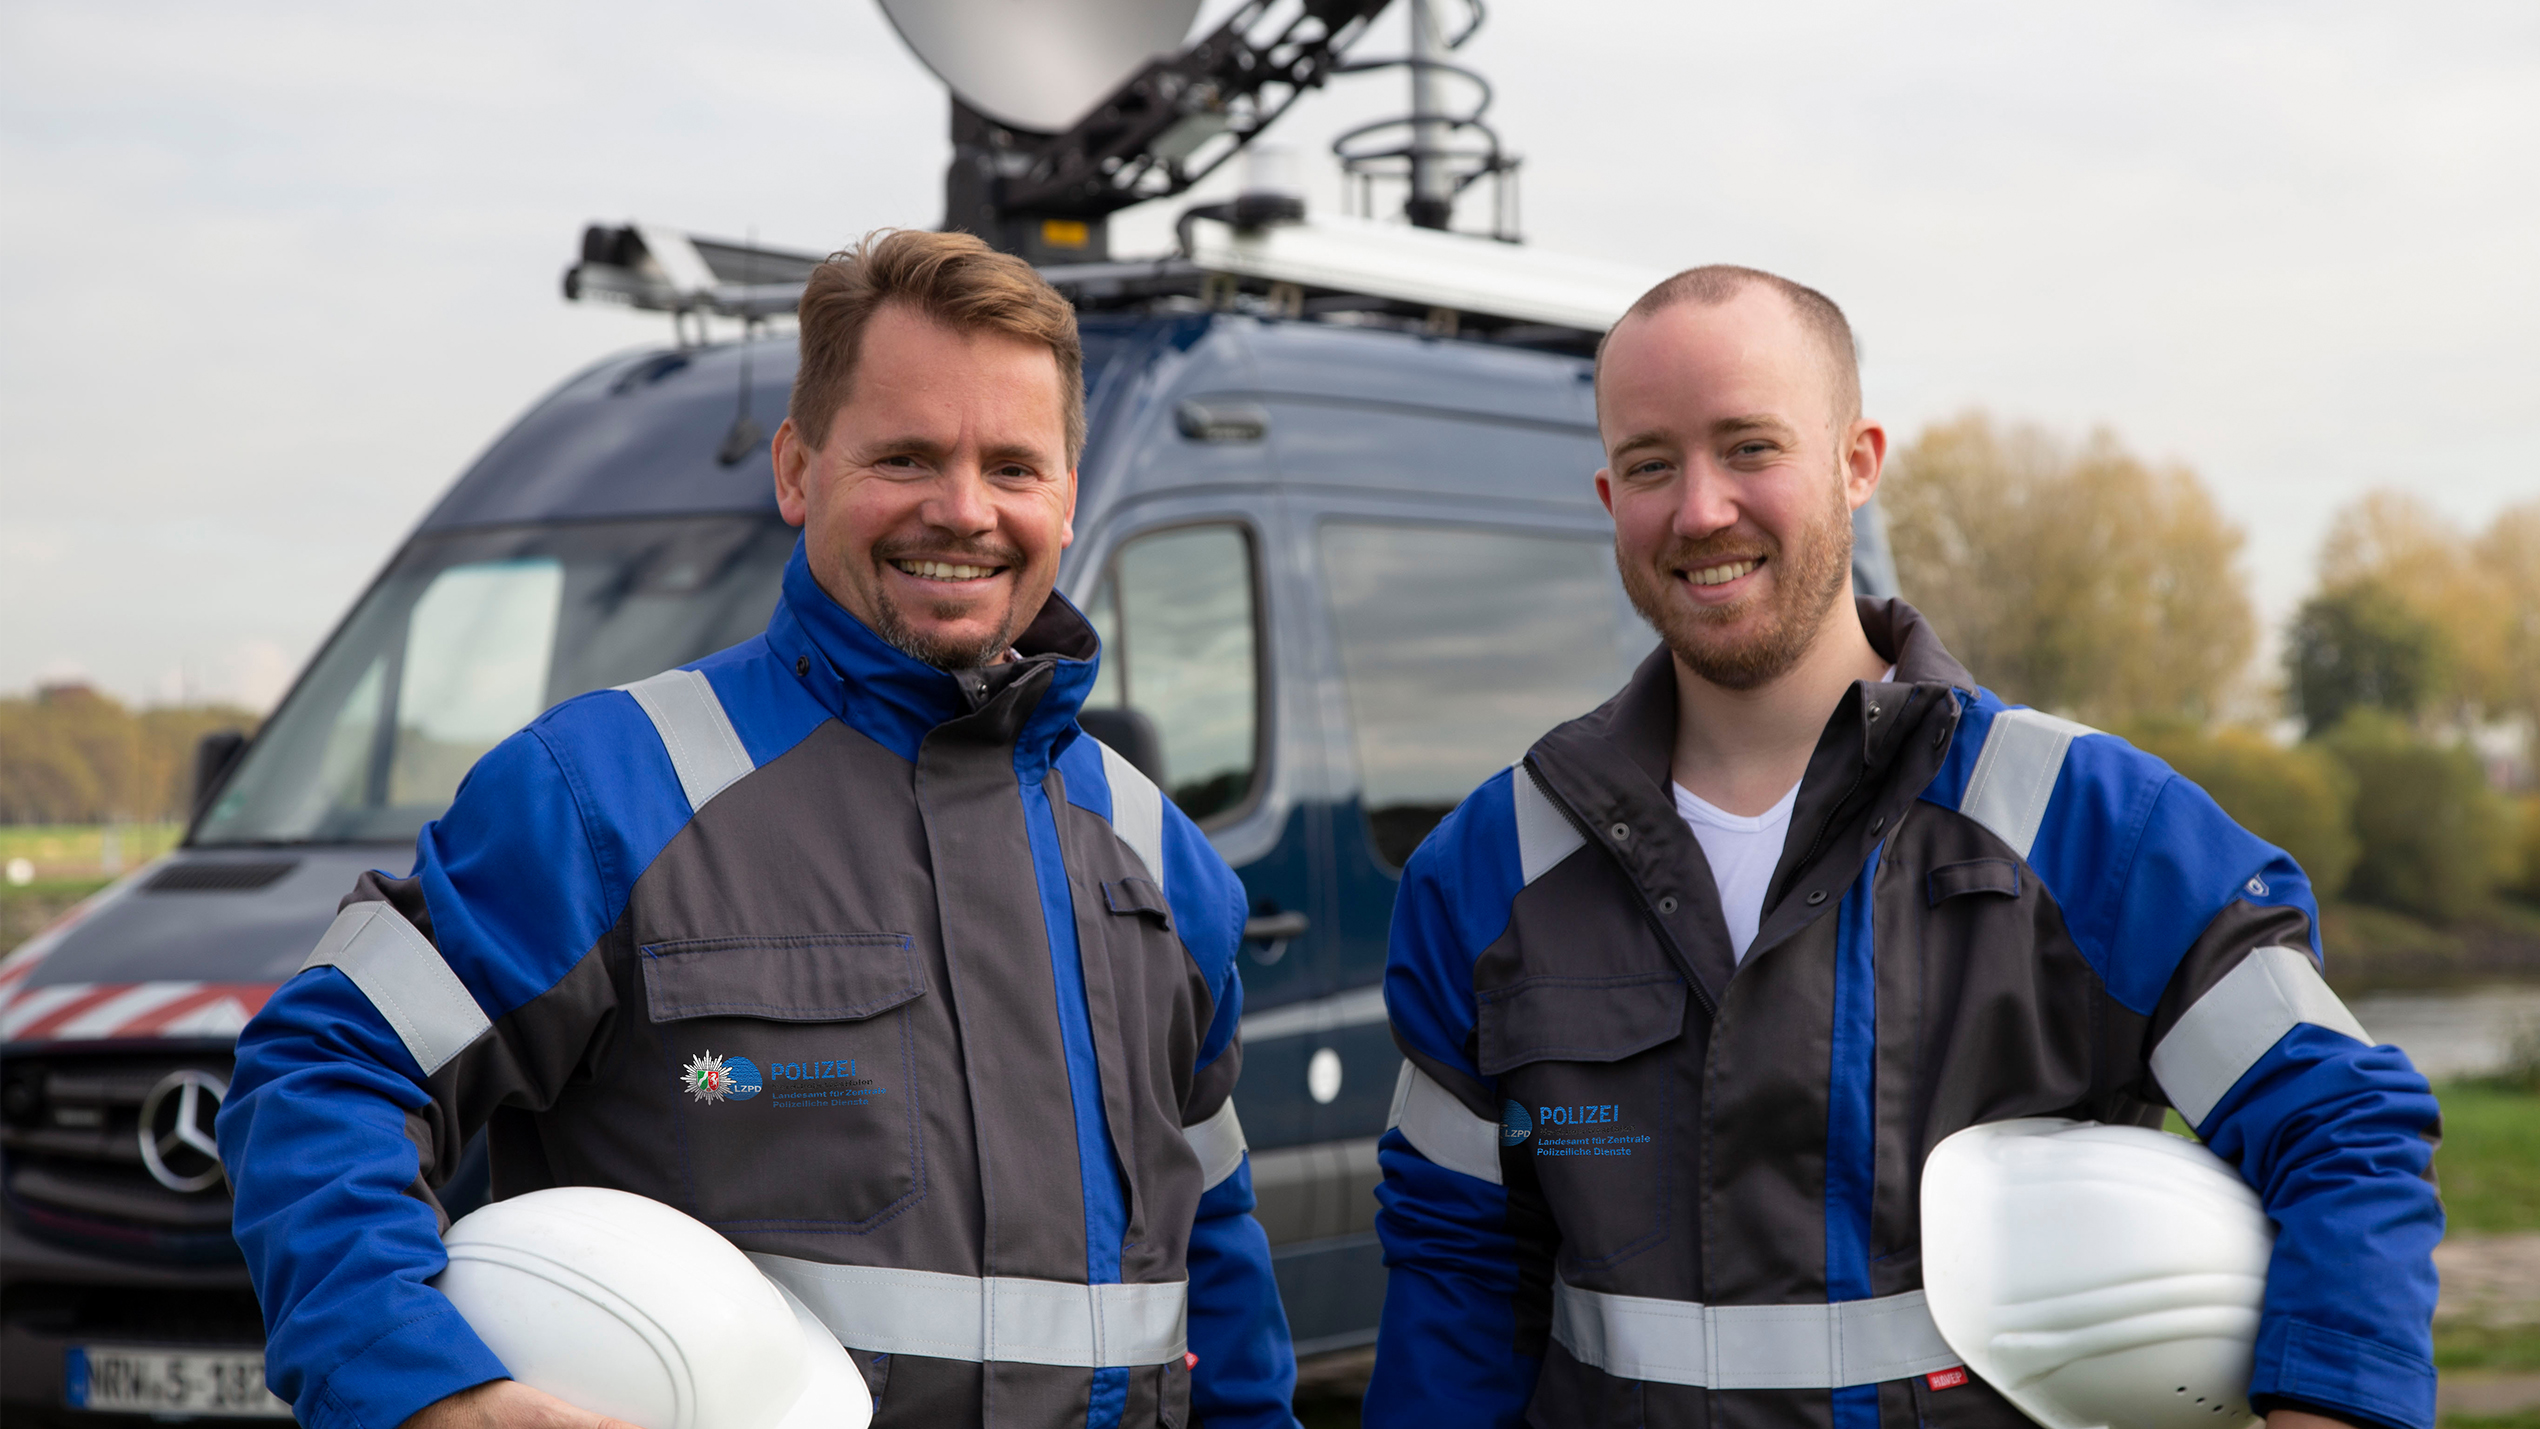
x=1605, y=488
x=791, y=456
x=1067, y=521
x=1864, y=462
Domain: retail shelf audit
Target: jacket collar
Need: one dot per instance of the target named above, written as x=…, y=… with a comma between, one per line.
x=898, y=700
x=1881, y=745
x=1899, y=632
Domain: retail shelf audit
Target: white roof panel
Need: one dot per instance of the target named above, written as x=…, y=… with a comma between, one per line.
x=1428, y=268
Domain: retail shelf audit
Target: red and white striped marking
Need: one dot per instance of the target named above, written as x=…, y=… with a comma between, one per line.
x=15, y=967
x=95, y=1011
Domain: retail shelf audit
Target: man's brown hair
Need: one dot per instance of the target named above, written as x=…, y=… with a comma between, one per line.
x=950, y=277
x=1717, y=283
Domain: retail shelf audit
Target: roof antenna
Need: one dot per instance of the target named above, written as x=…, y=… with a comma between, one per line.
x=1433, y=157
x=745, y=434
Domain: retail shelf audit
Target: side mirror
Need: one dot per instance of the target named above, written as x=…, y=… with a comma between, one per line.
x=1130, y=734
x=214, y=754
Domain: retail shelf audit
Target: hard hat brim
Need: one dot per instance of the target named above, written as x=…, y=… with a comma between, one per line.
x=835, y=1395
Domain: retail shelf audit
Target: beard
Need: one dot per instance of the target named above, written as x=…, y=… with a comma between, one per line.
x=1808, y=577
x=942, y=652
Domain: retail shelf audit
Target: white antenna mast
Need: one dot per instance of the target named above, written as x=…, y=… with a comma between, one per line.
x=1432, y=200
x=1436, y=150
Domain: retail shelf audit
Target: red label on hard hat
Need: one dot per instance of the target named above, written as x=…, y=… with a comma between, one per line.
x=1946, y=1378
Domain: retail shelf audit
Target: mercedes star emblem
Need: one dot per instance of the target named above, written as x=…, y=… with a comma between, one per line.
x=176, y=1130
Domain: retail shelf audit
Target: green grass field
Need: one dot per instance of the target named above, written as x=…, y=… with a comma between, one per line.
x=2489, y=1164
x=70, y=862
x=68, y=852
x=2489, y=1168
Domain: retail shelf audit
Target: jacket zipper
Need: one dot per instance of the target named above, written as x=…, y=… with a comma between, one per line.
x=1819, y=842
x=1684, y=964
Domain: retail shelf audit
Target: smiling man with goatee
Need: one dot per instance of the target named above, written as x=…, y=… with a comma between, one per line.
x=1689, y=993
x=846, y=941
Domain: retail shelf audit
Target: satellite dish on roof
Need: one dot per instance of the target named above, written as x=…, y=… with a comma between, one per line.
x=1039, y=64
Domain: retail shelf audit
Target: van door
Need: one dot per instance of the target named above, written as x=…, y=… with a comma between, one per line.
x=1210, y=630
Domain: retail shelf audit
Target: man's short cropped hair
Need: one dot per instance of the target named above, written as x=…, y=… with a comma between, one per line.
x=1716, y=283
x=950, y=277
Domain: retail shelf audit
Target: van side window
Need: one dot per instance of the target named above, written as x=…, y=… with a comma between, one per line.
x=1176, y=614
x=1459, y=647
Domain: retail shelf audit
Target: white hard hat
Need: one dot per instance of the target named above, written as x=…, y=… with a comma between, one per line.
x=2100, y=1277
x=623, y=1306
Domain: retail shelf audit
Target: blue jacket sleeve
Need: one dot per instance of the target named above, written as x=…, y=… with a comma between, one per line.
x=2337, y=1138
x=326, y=1128
x=1245, y=1368
x=1446, y=1348
x=314, y=1136
x=2335, y=1135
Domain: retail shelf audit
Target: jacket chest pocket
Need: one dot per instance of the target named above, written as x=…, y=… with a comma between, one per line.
x=795, y=1064
x=1594, y=1077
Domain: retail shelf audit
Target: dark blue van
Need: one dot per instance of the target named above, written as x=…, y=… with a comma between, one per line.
x=1346, y=561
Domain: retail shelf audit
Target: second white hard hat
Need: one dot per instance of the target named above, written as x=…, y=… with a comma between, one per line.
x=2099, y=1277
x=626, y=1307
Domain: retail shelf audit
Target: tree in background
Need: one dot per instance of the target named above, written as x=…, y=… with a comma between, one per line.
x=2361, y=646
x=2076, y=579
x=73, y=756
x=2479, y=596
x=2419, y=637
x=2508, y=553
x=2525, y=881
x=2435, y=840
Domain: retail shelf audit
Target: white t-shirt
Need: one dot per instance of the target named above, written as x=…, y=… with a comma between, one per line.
x=1743, y=853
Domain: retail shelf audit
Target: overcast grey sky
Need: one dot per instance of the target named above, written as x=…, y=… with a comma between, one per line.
x=272, y=273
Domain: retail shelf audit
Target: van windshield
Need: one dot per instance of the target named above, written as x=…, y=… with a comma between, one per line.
x=470, y=636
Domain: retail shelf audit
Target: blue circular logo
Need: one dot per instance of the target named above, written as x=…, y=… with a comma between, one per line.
x=741, y=1079
x=1514, y=1125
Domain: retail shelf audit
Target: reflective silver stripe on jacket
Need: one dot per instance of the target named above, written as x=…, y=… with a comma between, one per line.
x=1442, y=1128
x=1219, y=1143
x=1545, y=835
x=703, y=746
x=1749, y=1346
x=2238, y=1019
x=996, y=1320
x=1137, y=810
x=404, y=977
x=2015, y=774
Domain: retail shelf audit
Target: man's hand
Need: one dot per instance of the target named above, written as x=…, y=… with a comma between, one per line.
x=2302, y=1419
x=509, y=1404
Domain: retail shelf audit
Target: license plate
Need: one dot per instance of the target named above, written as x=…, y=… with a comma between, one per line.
x=125, y=1380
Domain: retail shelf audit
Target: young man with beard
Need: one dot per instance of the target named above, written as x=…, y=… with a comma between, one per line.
x=1688, y=994
x=845, y=941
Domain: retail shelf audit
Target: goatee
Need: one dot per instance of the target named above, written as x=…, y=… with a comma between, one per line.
x=896, y=632
x=1808, y=577
x=893, y=625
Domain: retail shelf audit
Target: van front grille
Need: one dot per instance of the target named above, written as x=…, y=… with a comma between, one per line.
x=73, y=1167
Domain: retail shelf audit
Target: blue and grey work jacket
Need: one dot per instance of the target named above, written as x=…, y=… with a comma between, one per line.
x=923, y=998
x=1633, y=1180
